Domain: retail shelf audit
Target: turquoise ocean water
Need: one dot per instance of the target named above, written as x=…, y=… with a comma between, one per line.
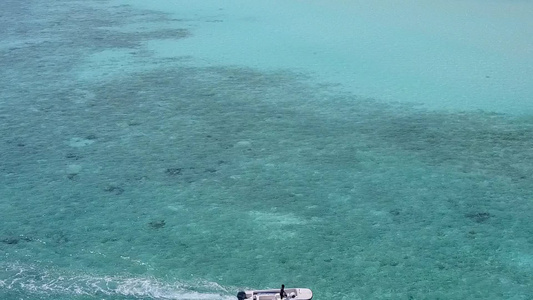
x=189, y=149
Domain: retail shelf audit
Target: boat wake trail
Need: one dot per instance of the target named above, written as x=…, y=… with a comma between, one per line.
x=21, y=279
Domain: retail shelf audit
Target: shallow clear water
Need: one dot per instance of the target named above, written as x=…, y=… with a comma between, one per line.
x=133, y=172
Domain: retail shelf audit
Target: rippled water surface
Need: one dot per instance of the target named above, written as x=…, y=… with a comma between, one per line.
x=144, y=156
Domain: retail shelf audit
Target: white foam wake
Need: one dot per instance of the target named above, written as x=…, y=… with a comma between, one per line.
x=29, y=279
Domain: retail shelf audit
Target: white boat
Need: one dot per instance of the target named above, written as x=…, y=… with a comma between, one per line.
x=292, y=294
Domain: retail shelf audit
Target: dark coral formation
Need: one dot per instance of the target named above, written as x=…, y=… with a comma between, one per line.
x=13, y=240
x=173, y=171
x=157, y=224
x=117, y=190
x=10, y=240
x=479, y=217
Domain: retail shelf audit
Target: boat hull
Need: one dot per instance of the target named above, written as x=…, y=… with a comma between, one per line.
x=292, y=294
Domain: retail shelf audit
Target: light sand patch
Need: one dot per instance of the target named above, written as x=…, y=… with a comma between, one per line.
x=243, y=144
x=78, y=142
x=276, y=219
x=106, y=64
x=279, y=226
x=74, y=169
x=524, y=260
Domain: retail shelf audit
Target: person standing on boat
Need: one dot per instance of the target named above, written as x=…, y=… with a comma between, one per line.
x=282, y=293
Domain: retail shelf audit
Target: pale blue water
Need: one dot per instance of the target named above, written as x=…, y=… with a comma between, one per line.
x=127, y=174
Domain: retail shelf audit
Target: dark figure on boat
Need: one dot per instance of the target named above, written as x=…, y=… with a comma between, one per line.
x=282, y=293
